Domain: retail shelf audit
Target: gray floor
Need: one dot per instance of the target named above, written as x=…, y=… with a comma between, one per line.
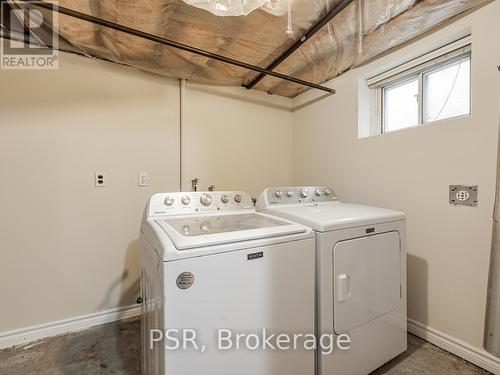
x=114, y=349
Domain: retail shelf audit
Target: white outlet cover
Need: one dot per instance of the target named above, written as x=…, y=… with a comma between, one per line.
x=143, y=179
x=100, y=179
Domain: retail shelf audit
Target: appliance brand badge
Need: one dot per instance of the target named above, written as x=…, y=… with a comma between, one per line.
x=255, y=255
x=185, y=280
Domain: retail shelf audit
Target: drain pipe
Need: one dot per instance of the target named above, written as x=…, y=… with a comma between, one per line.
x=492, y=324
x=182, y=98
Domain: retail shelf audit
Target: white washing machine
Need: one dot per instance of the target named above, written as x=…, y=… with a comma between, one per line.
x=361, y=274
x=210, y=263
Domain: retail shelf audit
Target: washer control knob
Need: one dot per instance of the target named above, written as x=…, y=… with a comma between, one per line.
x=206, y=199
x=328, y=192
x=317, y=192
x=289, y=193
x=278, y=194
x=224, y=198
x=169, y=201
x=205, y=227
x=186, y=199
x=304, y=193
x=237, y=198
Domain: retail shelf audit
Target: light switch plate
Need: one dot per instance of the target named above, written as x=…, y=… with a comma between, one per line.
x=143, y=179
x=464, y=195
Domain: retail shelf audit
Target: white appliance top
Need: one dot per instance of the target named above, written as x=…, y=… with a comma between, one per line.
x=319, y=208
x=198, y=219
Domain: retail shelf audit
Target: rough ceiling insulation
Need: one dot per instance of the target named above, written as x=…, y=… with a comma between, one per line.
x=360, y=32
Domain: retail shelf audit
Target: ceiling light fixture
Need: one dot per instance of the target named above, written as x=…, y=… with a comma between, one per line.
x=245, y=7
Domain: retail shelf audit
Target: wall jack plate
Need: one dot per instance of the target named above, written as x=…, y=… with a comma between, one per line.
x=463, y=195
x=100, y=179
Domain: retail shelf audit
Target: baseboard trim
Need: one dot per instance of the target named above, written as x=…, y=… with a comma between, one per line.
x=27, y=335
x=475, y=355
x=24, y=336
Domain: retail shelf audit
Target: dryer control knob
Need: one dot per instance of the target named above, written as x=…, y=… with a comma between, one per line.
x=304, y=193
x=206, y=199
x=169, y=201
x=237, y=198
x=186, y=199
x=278, y=194
x=328, y=192
x=317, y=192
x=289, y=193
x=224, y=198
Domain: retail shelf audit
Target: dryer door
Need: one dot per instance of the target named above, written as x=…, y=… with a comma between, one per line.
x=366, y=279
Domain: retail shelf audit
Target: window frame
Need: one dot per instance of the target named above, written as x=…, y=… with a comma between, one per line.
x=418, y=68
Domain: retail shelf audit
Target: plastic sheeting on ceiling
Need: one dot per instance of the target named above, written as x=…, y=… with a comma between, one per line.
x=240, y=7
x=363, y=30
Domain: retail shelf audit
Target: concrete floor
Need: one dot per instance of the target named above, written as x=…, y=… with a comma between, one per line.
x=115, y=349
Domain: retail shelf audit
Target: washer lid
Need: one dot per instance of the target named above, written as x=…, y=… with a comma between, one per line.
x=328, y=216
x=196, y=231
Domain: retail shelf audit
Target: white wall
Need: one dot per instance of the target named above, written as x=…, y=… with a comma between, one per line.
x=410, y=170
x=236, y=146
x=69, y=248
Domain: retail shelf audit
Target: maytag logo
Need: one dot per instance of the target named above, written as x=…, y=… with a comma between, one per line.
x=255, y=255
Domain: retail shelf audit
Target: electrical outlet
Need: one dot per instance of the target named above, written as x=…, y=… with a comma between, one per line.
x=463, y=195
x=143, y=179
x=100, y=179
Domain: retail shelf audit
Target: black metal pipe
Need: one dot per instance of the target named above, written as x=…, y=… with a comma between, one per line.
x=304, y=38
x=174, y=44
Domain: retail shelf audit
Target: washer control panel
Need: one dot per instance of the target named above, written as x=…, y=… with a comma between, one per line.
x=181, y=203
x=297, y=194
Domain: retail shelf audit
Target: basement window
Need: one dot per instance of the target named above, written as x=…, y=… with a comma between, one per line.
x=433, y=87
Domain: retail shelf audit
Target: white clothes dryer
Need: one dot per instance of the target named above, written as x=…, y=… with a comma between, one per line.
x=361, y=274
